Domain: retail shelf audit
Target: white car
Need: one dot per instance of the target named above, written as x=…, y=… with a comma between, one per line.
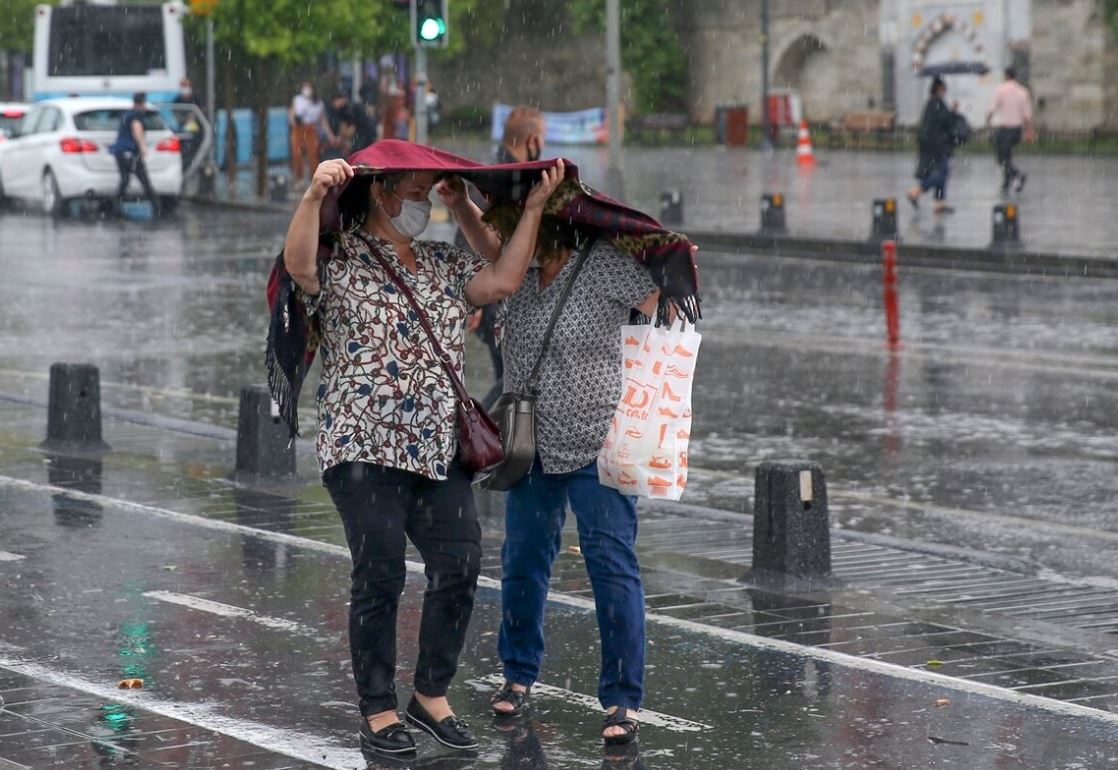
x=61, y=153
x=11, y=115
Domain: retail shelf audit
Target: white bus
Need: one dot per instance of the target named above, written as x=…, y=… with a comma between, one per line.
x=104, y=48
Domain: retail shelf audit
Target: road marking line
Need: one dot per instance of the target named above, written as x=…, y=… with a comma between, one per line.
x=229, y=611
x=305, y=747
x=6, y=556
x=725, y=634
x=645, y=716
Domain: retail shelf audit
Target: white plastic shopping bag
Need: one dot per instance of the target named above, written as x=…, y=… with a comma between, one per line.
x=645, y=452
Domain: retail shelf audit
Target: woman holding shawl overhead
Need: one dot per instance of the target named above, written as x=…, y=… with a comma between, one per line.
x=591, y=251
x=386, y=440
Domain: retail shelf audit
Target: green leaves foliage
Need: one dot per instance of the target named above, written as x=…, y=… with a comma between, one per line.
x=17, y=24
x=295, y=32
x=651, y=51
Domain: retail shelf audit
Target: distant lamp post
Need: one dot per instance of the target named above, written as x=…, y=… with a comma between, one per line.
x=766, y=138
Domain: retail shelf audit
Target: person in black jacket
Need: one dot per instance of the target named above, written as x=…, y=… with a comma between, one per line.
x=938, y=136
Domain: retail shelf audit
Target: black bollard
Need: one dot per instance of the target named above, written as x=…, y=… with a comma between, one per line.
x=772, y=214
x=671, y=208
x=264, y=447
x=277, y=187
x=1005, y=225
x=74, y=409
x=791, y=529
x=884, y=219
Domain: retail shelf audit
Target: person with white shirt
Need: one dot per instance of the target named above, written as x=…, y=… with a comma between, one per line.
x=306, y=116
x=1011, y=116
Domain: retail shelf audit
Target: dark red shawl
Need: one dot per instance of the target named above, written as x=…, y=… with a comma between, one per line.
x=293, y=335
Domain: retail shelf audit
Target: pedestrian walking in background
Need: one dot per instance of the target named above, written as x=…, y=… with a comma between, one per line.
x=340, y=125
x=130, y=150
x=588, y=285
x=305, y=117
x=387, y=442
x=523, y=141
x=186, y=93
x=937, y=138
x=1011, y=115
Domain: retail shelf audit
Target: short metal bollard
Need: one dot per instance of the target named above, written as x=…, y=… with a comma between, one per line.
x=884, y=219
x=74, y=408
x=1006, y=227
x=264, y=447
x=772, y=214
x=791, y=529
x=277, y=188
x=671, y=208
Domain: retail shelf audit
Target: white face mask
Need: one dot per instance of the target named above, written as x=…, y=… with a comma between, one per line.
x=413, y=217
x=308, y=92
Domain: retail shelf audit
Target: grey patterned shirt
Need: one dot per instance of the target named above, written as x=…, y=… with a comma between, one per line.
x=580, y=382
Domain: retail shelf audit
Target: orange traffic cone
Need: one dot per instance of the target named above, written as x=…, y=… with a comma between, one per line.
x=805, y=156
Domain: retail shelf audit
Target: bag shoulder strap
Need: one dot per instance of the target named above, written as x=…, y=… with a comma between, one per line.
x=444, y=359
x=534, y=377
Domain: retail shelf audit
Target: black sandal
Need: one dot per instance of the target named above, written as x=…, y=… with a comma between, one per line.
x=520, y=701
x=620, y=718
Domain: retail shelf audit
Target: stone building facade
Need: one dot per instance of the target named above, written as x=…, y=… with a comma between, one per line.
x=839, y=56
x=850, y=55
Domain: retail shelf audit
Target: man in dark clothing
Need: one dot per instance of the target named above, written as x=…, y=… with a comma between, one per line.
x=938, y=136
x=523, y=140
x=130, y=149
x=186, y=94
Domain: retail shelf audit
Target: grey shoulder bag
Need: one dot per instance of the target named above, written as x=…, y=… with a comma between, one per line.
x=515, y=413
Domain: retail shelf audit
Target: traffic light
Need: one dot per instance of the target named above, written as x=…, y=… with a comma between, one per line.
x=428, y=23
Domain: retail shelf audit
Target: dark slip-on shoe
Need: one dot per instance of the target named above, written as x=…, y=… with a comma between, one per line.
x=394, y=739
x=451, y=731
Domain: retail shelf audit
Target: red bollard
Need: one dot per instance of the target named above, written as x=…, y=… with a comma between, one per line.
x=892, y=313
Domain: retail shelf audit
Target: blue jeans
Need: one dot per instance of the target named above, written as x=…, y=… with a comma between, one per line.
x=936, y=179
x=607, y=533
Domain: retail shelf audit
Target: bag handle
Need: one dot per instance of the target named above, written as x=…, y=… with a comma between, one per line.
x=534, y=377
x=455, y=380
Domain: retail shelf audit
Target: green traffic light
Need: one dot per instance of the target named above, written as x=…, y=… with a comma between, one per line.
x=432, y=28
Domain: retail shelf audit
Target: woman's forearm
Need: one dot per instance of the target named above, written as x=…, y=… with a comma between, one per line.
x=300, y=250
x=512, y=264
x=482, y=239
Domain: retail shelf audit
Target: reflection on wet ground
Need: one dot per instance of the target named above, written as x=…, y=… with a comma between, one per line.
x=239, y=637
x=990, y=431
x=993, y=421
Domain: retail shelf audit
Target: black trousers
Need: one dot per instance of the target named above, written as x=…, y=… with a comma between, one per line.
x=1005, y=139
x=129, y=163
x=380, y=507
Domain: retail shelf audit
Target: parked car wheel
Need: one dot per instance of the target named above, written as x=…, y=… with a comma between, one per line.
x=51, y=196
x=3, y=198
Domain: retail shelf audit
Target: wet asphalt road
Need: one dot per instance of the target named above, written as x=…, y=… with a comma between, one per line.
x=244, y=632
x=992, y=430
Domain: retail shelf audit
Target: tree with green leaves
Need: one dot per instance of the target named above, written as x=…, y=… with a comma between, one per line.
x=277, y=36
x=651, y=51
x=17, y=25
x=17, y=28
x=1112, y=16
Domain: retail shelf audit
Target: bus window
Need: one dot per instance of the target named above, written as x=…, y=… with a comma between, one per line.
x=106, y=40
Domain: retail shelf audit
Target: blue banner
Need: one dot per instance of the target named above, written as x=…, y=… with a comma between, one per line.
x=582, y=127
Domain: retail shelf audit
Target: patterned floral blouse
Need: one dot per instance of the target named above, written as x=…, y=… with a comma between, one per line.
x=384, y=397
